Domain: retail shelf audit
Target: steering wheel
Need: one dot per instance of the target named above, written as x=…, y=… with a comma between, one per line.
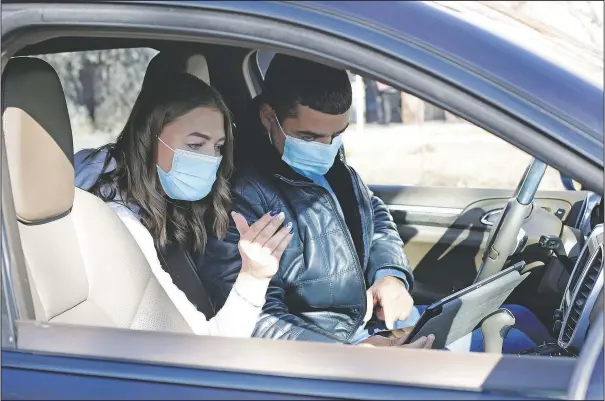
x=506, y=235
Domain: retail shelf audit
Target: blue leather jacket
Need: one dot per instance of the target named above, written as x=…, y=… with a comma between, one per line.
x=319, y=293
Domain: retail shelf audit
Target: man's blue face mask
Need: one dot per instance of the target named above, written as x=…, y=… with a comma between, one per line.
x=191, y=176
x=310, y=157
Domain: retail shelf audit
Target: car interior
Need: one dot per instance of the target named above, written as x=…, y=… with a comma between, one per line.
x=79, y=256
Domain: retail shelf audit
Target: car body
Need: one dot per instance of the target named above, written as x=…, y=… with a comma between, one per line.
x=530, y=102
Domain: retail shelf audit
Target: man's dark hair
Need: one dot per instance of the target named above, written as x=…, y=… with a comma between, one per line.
x=292, y=81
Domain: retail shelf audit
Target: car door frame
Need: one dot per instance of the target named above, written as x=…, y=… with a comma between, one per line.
x=55, y=349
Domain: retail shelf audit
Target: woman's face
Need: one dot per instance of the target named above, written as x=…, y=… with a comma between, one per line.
x=201, y=130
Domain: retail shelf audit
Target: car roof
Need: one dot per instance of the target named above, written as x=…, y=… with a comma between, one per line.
x=579, y=56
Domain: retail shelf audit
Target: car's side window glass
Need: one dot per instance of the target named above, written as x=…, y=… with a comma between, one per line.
x=403, y=140
x=100, y=88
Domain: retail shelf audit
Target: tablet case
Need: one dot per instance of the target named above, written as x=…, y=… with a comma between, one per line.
x=458, y=314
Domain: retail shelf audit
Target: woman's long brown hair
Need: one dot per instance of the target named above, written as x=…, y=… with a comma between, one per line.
x=163, y=99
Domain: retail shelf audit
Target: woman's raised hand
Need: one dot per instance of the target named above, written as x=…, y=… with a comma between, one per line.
x=262, y=244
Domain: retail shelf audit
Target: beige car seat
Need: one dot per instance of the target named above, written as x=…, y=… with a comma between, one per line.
x=83, y=265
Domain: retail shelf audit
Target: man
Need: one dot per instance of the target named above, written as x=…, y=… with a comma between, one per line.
x=346, y=257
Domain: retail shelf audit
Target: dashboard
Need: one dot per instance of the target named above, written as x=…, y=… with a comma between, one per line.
x=584, y=291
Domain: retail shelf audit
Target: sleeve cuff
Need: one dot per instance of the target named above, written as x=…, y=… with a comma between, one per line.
x=388, y=272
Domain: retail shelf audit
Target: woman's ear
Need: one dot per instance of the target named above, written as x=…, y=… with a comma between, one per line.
x=267, y=114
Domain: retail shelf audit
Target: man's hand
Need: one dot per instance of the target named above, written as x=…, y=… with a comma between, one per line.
x=392, y=299
x=380, y=341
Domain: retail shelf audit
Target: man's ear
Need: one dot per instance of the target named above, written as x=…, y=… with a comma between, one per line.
x=267, y=114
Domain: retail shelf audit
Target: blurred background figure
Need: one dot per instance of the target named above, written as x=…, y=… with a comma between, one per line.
x=388, y=99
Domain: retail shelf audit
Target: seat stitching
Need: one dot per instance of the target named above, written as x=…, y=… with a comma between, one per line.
x=136, y=313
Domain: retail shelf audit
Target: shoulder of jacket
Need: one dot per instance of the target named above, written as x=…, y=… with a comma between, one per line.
x=248, y=177
x=254, y=187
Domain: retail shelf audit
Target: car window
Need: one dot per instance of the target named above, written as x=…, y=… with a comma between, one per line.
x=398, y=139
x=100, y=88
x=403, y=140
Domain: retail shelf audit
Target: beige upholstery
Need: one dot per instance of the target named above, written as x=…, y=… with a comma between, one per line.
x=84, y=267
x=198, y=66
x=193, y=63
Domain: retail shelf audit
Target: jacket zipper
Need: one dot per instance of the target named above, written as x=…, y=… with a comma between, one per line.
x=350, y=243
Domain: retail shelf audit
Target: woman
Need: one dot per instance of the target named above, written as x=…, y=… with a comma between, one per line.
x=166, y=177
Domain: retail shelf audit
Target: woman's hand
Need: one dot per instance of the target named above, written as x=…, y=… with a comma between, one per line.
x=262, y=245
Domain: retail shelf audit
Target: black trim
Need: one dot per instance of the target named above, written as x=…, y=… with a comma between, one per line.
x=178, y=263
x=44, y=221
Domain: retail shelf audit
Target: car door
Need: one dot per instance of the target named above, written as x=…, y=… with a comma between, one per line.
x=62, y=361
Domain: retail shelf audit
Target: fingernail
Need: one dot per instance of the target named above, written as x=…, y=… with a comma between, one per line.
x=232, y=213
x=273, y=212
x=281, y=216
x=289, y=225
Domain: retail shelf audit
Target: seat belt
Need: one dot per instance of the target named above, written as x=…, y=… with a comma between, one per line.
x=178, y=263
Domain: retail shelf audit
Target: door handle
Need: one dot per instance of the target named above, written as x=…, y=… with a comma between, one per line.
x=489, y=217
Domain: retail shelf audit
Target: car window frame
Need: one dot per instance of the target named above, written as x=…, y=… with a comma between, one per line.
x=32, y=336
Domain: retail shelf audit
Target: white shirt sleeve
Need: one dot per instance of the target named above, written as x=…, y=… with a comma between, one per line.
x=236, y=318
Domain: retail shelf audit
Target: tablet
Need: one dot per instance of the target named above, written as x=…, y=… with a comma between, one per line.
x=457, y=315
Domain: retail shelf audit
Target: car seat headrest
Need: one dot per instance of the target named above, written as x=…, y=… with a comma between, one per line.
x=167, y=61
x=38, y=138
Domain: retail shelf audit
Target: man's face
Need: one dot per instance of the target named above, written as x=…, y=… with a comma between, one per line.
x=309, y=125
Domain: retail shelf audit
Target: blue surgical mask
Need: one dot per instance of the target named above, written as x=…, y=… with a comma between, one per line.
x=310, y=157
x=191, y=176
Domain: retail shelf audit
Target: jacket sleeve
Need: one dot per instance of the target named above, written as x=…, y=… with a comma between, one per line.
x=387, y=257
x=275, y=321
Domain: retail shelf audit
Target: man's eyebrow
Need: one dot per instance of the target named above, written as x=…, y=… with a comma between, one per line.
x=311, y=133
x=204, y=136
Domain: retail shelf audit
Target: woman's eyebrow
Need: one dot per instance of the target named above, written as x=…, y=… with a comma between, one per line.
x=204, y=136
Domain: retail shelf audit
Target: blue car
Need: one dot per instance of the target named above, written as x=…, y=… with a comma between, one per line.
x=513, y=98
